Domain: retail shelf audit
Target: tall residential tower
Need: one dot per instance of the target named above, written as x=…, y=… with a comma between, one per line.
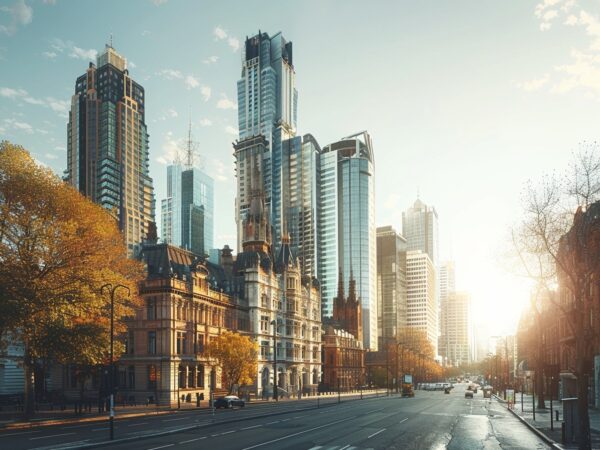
x=420, y=228
x=107, y=155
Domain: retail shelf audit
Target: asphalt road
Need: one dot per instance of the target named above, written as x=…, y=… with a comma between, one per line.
x=429, y=420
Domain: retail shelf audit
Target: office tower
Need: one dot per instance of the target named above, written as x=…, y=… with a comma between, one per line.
x=267, y=107
x=300, y=199
x=107, y=156
x=187, y=212
x=446, y=286
x=422, y=312
x=457, y=339
x=391, y=283
x=420, y=228
x=346, y=226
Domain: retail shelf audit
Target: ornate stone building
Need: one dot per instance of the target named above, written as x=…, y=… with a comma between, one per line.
x=185, y=307
x=279, y=300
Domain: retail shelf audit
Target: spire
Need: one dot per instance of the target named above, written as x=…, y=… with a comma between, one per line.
x=340, y=292
x=352, y=289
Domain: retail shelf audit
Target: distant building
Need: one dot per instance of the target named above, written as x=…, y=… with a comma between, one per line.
x=446, y=287
x=188, y=210
x=391, y=283
x=420, y=229
x=107, y=149
x=456, y=339
x=422, y=312
x=347, y=233
x=343, y=351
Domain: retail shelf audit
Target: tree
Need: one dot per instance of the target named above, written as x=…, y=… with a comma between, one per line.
x=236, y=354
x=556, y=243
x=56, y=251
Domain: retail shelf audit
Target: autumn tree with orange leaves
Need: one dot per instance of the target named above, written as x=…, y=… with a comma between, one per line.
x=56, y=251
x=236, y=354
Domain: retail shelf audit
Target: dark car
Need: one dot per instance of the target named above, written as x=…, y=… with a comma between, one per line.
x=468, y=393
x=229, y=401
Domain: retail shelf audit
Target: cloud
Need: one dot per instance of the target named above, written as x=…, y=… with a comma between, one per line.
x=571, y=20
x=51, y=156
x=219, y=33
x=169, y=114
x=170, y=74
x=191, y=82
x=60, y=148
x=211, y=60
x=205, y=122
x=59, y=106
x=219, y=170
x=545, y=26
x=59, y=46
x=206, y=92
x=49, y=2
x=550, y=14
x=50, y=55
x=226, y=103
x=535, y=84
x=145, y=33
x=231, y=130
x=234, y=43
x=159, y=2
x=81, y=53
x=131, y=65
x=541, y=7
x=583, y=72
x=12, y=124
x=20, y=14
x=170, y=148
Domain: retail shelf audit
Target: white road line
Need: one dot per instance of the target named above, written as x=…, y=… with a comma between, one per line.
x=137, y=424
x=192, y=440
x=171, y=420
x=50, y=436
x=300, y=432
x=271, y=423
x=249, y=428
x=228, y=432
x=17, y=434
x=162, y=446
x=285, y=420
x=345, y=447
x=100, y=429
x=375, y=434
x=77, y=426
x=299, y=417
x=403, y=420
x=375, y=410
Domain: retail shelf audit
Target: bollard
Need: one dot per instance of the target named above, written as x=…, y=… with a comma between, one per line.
x=557, y=419
x=562, y=432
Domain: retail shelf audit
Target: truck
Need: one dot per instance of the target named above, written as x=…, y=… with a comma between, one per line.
x=407, y=386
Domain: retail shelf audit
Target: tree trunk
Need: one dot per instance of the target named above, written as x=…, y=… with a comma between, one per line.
x=584, y=438
x=28, y=370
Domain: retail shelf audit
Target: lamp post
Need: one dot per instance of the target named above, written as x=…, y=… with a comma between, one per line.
x=110, y=288
x=398, y=344
x=274, y=322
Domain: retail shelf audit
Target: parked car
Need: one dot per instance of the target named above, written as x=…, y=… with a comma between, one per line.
x=229, y=401
x=468, y=393
x=487, y=392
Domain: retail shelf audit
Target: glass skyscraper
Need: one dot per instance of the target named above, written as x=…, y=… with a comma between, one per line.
x=107, y=155
x=420, y=228
x=347, y=236
x=267, y=107
x=188, y=210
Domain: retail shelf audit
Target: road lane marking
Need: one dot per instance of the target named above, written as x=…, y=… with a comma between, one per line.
x=300, y=432
x=299, y=417
x=375, y=434
x=22, y=432
x=375, y=410
x=162, y=446
x=249, y=428
x=344, y=448
x=403, y=420
x=285, y=420
x=137, y=424
x=228, y=432
x=271, y=423
x=192, y=440
x=50, y=436
x=100, y=429
x=171, y=420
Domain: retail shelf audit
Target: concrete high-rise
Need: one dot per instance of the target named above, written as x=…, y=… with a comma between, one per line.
x=391, y=283
x=422, y=311
x=267, y=109
x=457, y=338
x=420, y=228
x=446, y=287
x=107, y=154
x=187, y=212
x=346, y=226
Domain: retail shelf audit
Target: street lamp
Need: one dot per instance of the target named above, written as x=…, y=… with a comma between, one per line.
x=110, y=288
x=275, y=322
x=398, y=344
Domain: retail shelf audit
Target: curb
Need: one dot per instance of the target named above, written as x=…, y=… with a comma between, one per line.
x=551, y=442
x=190, y=428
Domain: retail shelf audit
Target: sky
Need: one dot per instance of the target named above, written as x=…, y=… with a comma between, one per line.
x=465, y=100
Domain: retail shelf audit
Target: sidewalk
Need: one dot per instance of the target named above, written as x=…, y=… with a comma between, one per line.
x=11, y=419
x=544, y=424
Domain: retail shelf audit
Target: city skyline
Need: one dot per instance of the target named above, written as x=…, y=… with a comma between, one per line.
x=491, y=158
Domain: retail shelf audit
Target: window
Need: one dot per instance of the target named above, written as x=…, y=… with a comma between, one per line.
x=151, y=309
x=152, y=376
x=264, y=324
x=131, y=377
x=200, y=376
x=181, y=341
x=129, y=343
x=152, y=342
x=264, y=349
x=200, y=343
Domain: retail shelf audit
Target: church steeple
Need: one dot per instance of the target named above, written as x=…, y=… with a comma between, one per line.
x=256, y=224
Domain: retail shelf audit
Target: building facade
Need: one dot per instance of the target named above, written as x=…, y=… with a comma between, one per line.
x=456, y=344
x=346, y=229
x=420, y=229
x=184, y=308
x=446, y=287
x=422, y=311
x=107, y=151
x=391, y=283
x=188, y=210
